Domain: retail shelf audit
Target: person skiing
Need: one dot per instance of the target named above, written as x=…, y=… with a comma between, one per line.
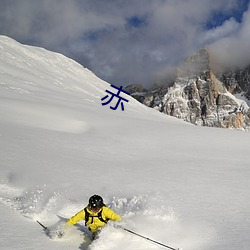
x=95, y=214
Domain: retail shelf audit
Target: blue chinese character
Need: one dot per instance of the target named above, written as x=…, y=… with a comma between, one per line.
x=120, y=99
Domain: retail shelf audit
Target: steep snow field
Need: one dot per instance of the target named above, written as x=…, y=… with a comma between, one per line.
x=181, y=185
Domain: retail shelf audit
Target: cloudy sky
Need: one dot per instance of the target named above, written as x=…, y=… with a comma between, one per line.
x=131, y=41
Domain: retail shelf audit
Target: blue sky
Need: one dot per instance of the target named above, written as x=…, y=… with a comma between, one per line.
x=131, y=41
x=218, y=17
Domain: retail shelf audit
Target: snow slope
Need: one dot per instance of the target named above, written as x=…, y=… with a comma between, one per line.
x=173, y=182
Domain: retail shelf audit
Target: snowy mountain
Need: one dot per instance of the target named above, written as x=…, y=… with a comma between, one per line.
x=183, y=185
x=201, y=96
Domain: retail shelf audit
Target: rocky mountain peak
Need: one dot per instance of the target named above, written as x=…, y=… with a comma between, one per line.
x=200, y=96
x=196, y=64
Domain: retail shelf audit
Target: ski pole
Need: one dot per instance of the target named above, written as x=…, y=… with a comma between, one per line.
x=45, y=228
x=146, y=238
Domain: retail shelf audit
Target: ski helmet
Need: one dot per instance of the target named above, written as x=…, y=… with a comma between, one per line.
x=95, y=202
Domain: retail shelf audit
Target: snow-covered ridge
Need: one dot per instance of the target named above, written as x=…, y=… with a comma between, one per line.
x=35, y=68
x=33, y=74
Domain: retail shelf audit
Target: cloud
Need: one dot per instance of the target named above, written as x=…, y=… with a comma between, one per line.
x=233, y=49
x=228, y=28
x=124, y=41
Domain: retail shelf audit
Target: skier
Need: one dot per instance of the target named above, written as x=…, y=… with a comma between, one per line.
x=95, y=214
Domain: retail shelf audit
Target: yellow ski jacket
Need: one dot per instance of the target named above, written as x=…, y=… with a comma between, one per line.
x=94, y=223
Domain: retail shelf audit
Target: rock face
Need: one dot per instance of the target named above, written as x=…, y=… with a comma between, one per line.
x=201, y=97
x=237, y=81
